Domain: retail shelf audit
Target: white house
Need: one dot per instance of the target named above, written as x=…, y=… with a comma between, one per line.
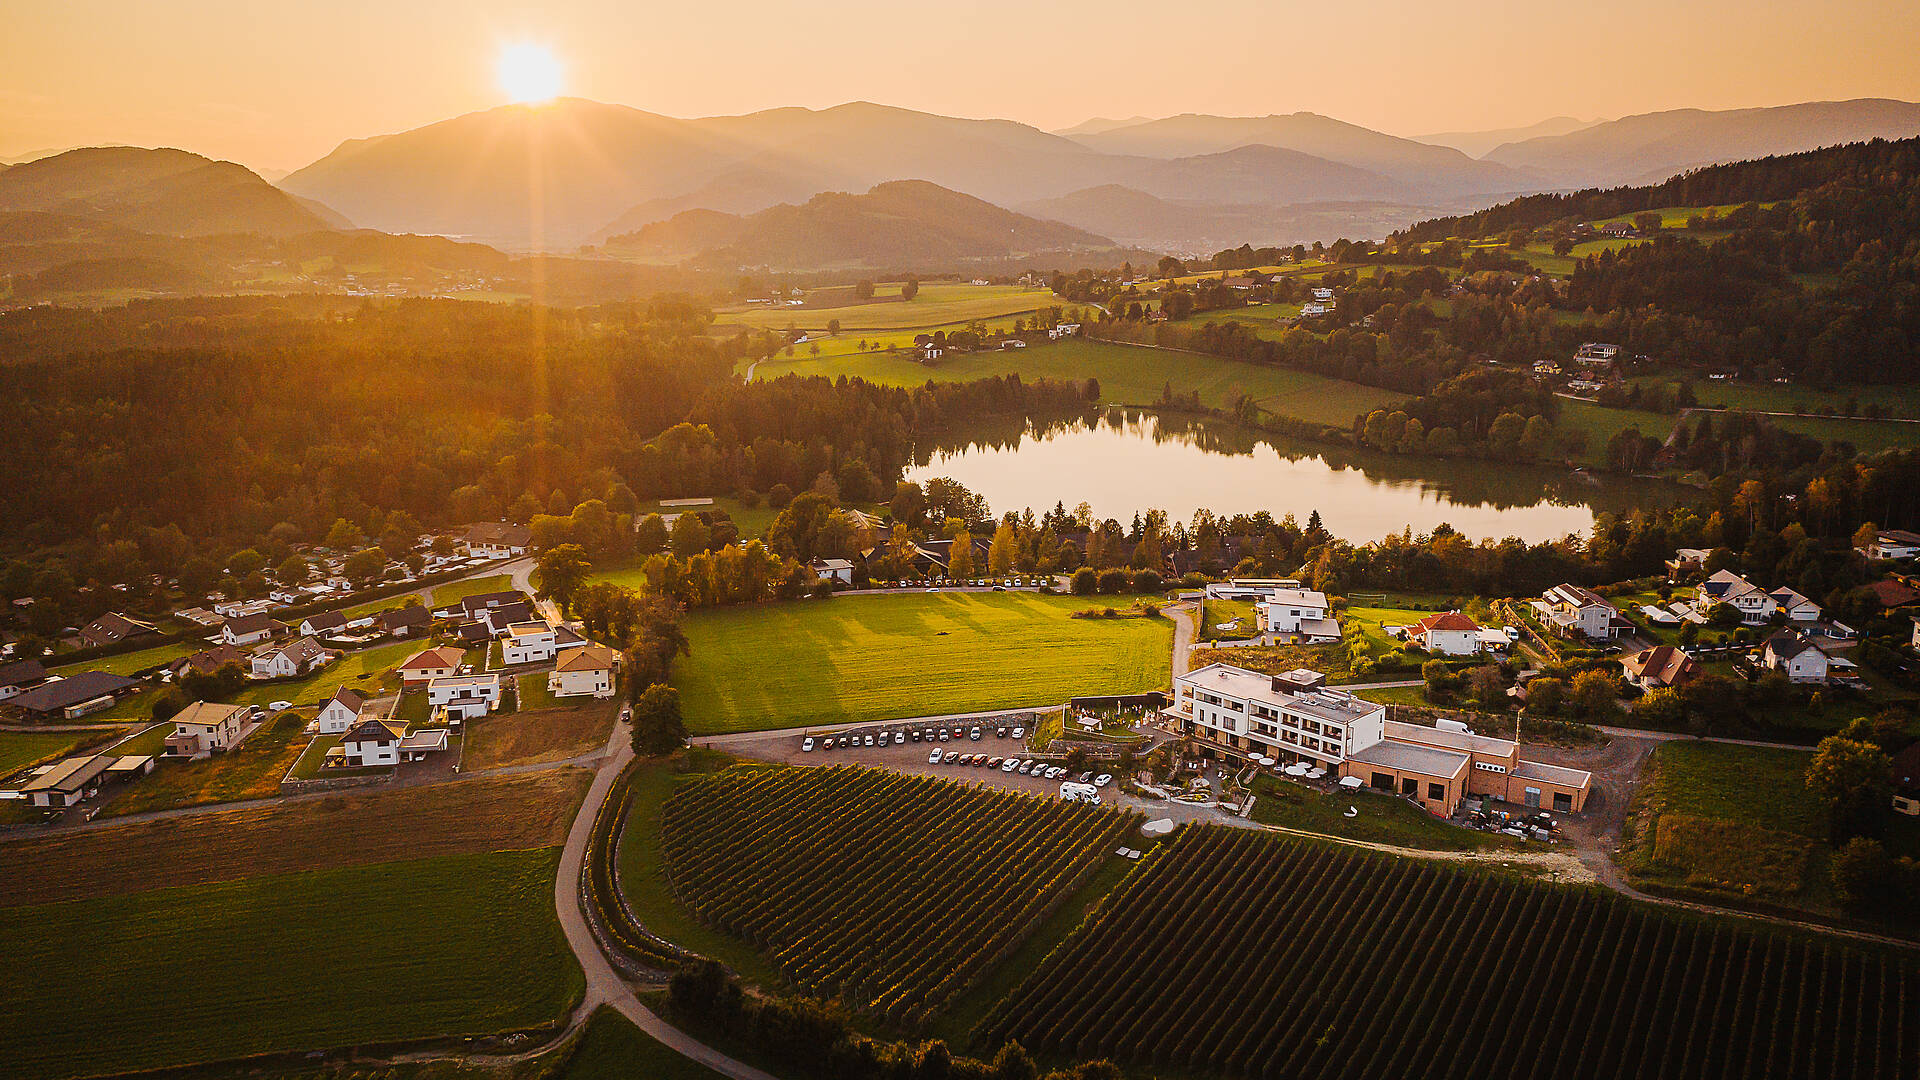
x=205, y=726
x=497, y=539
x=1064, y=330
x=1794, y=654
x=1597, y=353
x=1570, y=609
x=66, y=782
x=840, y=570
x=341, y=711
x=251, y=629
x=288, y=659
x=1446, y=633
x=374, y=742
x=528, y=643
x=326, y=622
x=1313, y=309
x=583, y=672
x=1299, y=612
x=464, y=697
x=1893, y=544
x=429, y=664
x=1755, y=605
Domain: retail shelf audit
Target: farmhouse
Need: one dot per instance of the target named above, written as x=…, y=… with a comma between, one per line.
x=528, y=643
x=206, y=726
x=67, y=781
x=1301, y=613
x=1892, y=544
x=20, y=676
x=1794, y=654
x=1447, y=633
x=288, y=659
x=463, y=697
x=1569, y=609
x=251, y=629
x=429, y=664
x=583, y=672
x=497, y=539
x=1295, y=718
x=1662, y=665
x=111, y=629
x=340, y=712
x=74, y=696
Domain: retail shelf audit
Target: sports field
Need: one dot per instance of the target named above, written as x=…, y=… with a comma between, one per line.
x=459, y=944
x=861, y=658
x=1128, y=375
x=937, y=305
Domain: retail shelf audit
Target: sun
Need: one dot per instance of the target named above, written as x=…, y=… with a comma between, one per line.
x=528, y=73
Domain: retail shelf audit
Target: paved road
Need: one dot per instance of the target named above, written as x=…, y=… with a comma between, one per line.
x=1677, y=736
x=739, y=738
x=605, y=985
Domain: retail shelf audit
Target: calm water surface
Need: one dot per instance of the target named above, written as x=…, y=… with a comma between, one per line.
x=1123, y=462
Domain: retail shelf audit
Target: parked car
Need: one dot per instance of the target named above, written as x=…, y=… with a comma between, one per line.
x=916, y=736
x=933, y=758
x=943, y=736
x=979, y=761
x=899, y=738
x=974, y=734
x=1000, y=732
x=951, y=757
x=1019, y=733
x=1010, y=764
x=869, y=740
x=841, y=742
x=994, y=762
x=1024, y=767
x=280, y=706
x=807, y=744
x=1103, y=780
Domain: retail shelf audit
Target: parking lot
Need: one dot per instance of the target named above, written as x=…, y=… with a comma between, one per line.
x=997, y=740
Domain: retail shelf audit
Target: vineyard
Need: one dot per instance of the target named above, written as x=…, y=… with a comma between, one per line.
x=1236, y=954
x=891, y=892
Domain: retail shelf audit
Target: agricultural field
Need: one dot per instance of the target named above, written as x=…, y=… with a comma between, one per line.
x=1867, y=436
x=1350, y=963
x=251, y=771
x=1262, y=319
x=938, y=304
x=288, y=837
x=1799, y=397
x=891, y=892
x=906, y=654
x=1128, y=375
x=279, y=962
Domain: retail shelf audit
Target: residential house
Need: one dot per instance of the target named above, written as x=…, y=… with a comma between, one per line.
x=200, y=617
x=1323, y=294
x=528, y=643
x=1795, y=654
x=1893, y=544
x=1446, y=633
x=251, y=629
x=113, y=628
x=463, y=697
x=1892, y=593
x=1570, y=609
x=1313, y=309
x=1546, y=367
x=209, y=661
x=1755, y=605
x=73, y=696
x=1596, y=354
x=1662, y=665
x=20, y=676
x=499, y=620
x=1299, y=613
x=840, y=570
x=66, y=782
x=1687, y=561
x=239, y=609
x=404, y=622
x=472, y=607
x=1063, y=330
x=1254, y=589
x=205, y=726
x=341, y=711
x=429, y=664
x=583, y=672
x=375, y=742
x=325, y=622
x=1617, y=228
x=288, y=659
x=1231, y=712
x=497, y=539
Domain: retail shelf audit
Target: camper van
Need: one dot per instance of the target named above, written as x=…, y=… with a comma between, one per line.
x=1073, y=792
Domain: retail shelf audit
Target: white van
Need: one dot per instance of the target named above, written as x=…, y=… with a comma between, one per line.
x=1073, y=792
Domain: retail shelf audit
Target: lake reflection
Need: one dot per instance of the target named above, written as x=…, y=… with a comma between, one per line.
x=1126, y=461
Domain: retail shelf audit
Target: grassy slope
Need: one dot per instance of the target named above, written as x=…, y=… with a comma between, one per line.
x=321, y=958
x=1602, y=424
x=454, y=591
x=875, y=657
x=936, y=305
x=19, y=749
x=128, y=663
x=612, y=1048
x=1128, y=374
x=251, y=772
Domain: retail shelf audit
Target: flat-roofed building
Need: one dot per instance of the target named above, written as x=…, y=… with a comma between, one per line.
x=463, y=697
x=1299, y=613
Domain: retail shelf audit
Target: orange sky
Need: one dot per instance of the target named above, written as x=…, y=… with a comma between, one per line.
x=275, y=84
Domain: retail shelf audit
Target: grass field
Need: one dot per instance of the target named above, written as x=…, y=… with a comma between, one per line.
x=19, y=749
x=1867, y=436
x=938, y=304
x=1601, y=424
x=542, y=729
x=458, y=944
x=1241, y=613
x=915, y=654
x=455, y=591
x=1379, y=818
x=348, y=828
x=611, y=1048
x=1128, y=375
x=128, y=663
x=252, y=771
x=1798, y=397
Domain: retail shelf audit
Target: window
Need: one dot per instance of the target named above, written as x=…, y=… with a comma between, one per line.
x=1381, y=781
x=1409, y=786
x=1437, y=792
x=1562, y=802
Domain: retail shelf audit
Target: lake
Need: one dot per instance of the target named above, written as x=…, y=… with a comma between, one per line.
x=1121, y=462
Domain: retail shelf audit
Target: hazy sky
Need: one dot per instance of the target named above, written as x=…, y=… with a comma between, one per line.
x=276, y=84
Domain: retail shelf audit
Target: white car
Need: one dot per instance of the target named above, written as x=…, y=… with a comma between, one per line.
x=869, y=740
x=807, y=744
x=1103, y=780
x=1010, y=764
x=933, y=758
x=899, y=738
x=280, y=706
x=1019, y=733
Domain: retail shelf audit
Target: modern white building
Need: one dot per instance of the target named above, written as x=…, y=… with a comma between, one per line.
x=374, y=742
x=528, y=643
x=1301, y=613
x=1291, y=717
x=583, y=672
x=1755, y=604
x=464, y=697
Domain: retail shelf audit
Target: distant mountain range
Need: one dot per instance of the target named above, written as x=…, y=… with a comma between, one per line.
x=1478, y=143
x=902, y=223
x=166, y=192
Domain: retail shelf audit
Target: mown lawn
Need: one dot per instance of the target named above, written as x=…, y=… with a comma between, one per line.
x=1241, y=613
x=1379, y=818
x=128, y=663
x=938, y=304
x=1128, y=375
x=453, y=945
x=19, y=749
x=455, y=591
x=364, y=671
x=915, y=654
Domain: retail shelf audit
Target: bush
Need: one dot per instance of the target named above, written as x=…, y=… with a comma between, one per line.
x=1115, y=581
x=1148, y=581
x=1086, y=581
